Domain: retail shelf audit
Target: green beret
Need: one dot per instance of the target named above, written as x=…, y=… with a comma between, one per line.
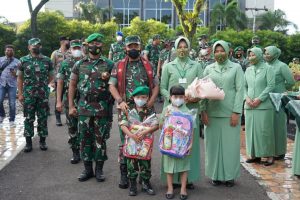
x=133, y=39
x=75, y=43
x=239, y=48
x=34, y=41
x=156, y=36
x=94, y=37
x=141, y=90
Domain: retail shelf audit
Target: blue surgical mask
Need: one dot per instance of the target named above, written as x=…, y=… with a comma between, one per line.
x=177, y=102
x=140, y=102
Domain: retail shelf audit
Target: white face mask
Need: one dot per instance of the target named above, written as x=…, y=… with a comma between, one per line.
x=119, y=38
x=76, y=53
x=177, y=102
x=140, y=102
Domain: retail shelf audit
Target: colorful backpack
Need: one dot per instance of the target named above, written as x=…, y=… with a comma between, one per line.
x=176, y=135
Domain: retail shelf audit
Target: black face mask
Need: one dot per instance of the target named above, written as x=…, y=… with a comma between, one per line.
x=133, y=53
x=36, y=50
x=95, y=50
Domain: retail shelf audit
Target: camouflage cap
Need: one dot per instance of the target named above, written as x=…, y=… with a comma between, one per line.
x=133, y=39
x=34, y=41
x=141, y=90
x=75, y=43
x=156, y=36
x=94, y=37
x=61, y=38
x=203, y=36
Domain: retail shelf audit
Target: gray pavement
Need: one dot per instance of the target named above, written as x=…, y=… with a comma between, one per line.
x=50, y=176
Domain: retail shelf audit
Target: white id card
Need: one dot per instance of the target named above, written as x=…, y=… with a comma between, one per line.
x=182, y=81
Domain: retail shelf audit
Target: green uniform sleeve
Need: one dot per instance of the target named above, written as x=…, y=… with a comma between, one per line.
x=164, y=84
x=288, y=76
x=270, y=85
x=75, y=71
x=113, y=80
x=239, y=87
x=123, y=121
x=147, y=49
x=62, y=70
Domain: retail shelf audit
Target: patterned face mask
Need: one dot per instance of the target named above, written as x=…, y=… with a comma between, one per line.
x=253, y=60
x=95, y=50
x=182, y=52
x=220, y=57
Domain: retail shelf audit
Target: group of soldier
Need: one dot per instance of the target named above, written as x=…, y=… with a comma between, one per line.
x=87, y=86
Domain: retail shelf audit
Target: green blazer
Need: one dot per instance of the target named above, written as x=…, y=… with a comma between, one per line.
x=228, y=76
x=259, y=82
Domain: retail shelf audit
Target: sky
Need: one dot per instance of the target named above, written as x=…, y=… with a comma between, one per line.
x=20, y=12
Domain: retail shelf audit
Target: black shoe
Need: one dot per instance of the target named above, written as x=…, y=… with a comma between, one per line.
x=170, y=196
x=146, y=187
x=99, y=171
x=229, y=183
x=76, y=156
x=133, y=188
x=280, y=157
x=190, y=186
x=253, y=160
x=183, y=196
x=124, y=180
x=28, y=147
x=43, y=145
x=58, y=119
x=216, y=182
x=87, y=172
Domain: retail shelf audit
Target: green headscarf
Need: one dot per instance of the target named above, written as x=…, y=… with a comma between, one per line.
x=258, y=53
x=182, y=53
x=221, y=59
x=274, y=53
x=182, y=38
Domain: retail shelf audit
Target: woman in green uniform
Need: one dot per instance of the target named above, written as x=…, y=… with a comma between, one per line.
x=283, y=81
x=222, y=118
x=259, y=82
x=183, y=71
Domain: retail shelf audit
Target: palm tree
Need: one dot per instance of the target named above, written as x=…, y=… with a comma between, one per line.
x=227, y=15
x=90, y=12
x=275, y=21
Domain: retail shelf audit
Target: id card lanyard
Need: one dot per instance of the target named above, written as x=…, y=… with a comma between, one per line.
x=182, y=79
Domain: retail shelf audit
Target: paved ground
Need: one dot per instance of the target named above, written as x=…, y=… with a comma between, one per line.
x=49, y=175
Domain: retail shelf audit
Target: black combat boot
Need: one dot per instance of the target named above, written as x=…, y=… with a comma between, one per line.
x=58, y=119
x=146, y=187
x=87, y=172
x=76, y=156
x=43, y=145
x=133, y=188
x=99, y=171
x=28, y=146
x=124, y=180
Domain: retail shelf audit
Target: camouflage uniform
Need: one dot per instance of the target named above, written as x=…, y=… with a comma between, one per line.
x=153, y=55
x=94, y=106
x=35, y=73
x=64, y=74
x=164, y=54
x=136, y=165
x=117, y=50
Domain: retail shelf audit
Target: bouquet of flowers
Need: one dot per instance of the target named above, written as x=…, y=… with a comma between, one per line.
x=204, y=88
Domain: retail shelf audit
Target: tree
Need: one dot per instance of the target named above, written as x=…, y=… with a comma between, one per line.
x=33, y=13
x=274, y=21
x=8, y=35
x=90, y=12
x=188, y=20
x=227, y=15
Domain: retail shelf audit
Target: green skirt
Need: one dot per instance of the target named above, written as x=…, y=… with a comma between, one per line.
x=260, y=140
x=296, y=155
x=280, y=131
x=222, y=149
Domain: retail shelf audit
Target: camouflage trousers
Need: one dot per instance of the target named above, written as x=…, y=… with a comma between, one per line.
x=122, y=158
x=134, y=166
x=93, y=133
x=39, y=107
x=72, y=123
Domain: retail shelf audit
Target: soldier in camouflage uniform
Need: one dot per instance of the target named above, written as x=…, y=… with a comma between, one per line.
x=117, y=49
x=34, y=74
x=239, y=57
x=63, y=80
x=57, y=57
x=163, y=56
x=152, y=51
x=90, y=76
x=137, y=72
x=136, y=165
